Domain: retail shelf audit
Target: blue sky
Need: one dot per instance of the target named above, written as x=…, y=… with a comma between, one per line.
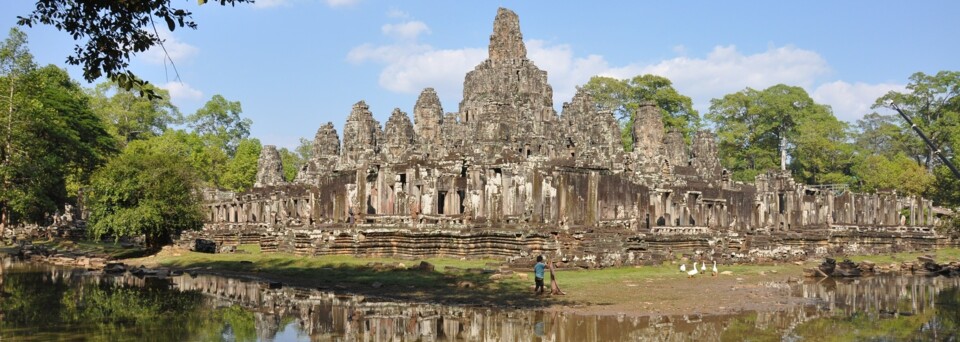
x=296, y=64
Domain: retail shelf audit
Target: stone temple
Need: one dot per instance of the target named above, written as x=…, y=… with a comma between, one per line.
x=505, y=175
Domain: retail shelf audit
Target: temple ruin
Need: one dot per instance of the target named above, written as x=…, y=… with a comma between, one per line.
x=507, y=176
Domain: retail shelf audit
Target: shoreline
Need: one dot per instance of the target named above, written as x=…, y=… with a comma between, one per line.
x=627, y=291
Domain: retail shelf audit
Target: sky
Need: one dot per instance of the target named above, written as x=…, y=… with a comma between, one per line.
x=297, y=64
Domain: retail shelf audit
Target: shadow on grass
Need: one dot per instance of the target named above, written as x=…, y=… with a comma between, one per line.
x=455, y=288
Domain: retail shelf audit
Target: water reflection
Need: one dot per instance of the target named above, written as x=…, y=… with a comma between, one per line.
x=44, y=303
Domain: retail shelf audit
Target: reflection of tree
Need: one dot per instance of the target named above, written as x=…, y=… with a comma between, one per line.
x=945, y=325
x=68, y=308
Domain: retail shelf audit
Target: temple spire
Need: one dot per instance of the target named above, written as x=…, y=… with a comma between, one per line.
x=506, y=42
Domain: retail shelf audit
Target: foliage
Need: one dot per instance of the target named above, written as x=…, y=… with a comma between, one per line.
x=291, y=163
x=114, y=32
x=130, y=117
x=624, y=97
x=48, y=134
x=900, y=173
x=751, y=123
x=218, y=122
x=241, y=171
x=933, y=104
x=881, y=135
x=147, y=190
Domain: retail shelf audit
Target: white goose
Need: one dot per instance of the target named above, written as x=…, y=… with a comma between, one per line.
x=703, y=267
x=692, y=272
x=714, y=268
x=683, y=268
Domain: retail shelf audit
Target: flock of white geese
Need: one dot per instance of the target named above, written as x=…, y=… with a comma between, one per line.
x=703, y=269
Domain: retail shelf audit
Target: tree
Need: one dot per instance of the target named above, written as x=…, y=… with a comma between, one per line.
x=241, y=171
x=131, y=117
x=291, y=163
x=49, y=136
x=878, y=172
x=624, y=97
x=880, y=135
x=148, y=190
x=114, y=32
x=751, y=125
x=218, y=122
x=933, y=105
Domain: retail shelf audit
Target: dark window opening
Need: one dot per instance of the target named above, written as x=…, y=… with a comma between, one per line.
x=441, y=198
x=463, y=172
x=661, y=221
x=403, y=179
x=498, y=171
x=462, y=195
x=783, y=202
x=370, y=209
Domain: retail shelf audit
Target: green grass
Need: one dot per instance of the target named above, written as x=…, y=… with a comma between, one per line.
x=940, y=255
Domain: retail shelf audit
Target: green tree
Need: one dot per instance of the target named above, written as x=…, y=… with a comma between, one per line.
x=131, y=117
x=878, y=172
x=148, y=190
x=880, y=134
x=241, y=171
x=751, y=124
x=219, y=123
x=291, y=163
x=49, y=135
x=932, y=103
x=624, y=97
x=114, y=31
x=305, y=149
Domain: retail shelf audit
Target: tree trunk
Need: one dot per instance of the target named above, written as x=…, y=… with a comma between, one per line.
x=7, y=146
x=554, y=288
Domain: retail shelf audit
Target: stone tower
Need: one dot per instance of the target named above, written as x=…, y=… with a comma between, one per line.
x=269, y=168
x=594, y=134
x=361, y=137
x=399, y=137
x=427, y=118
x=507, y=102
x=675, y=149
x=648, y=132
x=326, y=153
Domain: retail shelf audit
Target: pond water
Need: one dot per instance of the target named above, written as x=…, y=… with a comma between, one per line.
x=43, y=303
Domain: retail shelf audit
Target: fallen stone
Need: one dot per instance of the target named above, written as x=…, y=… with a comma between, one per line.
x=464, y=284
x=426, y=267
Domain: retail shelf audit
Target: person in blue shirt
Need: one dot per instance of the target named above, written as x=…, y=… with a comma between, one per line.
x=538, y=275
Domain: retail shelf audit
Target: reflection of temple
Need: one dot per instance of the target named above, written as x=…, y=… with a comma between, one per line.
x=506, y=175
x=328, y=316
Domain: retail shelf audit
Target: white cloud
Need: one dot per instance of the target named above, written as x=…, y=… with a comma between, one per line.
x=725, y=70
x=341, y=3
x=409, y=67
x=180, y=91
x=406, y=31
x=397, y=13
x=851, y=102
x=177, y=50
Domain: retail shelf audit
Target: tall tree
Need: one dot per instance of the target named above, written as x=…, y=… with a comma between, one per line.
x=624, y=96
x=50, y=135
x=932, y=103
x=148, y=190
x=219, y=123
x=878, y=172
x=877, y=134
x=114, y=32
x=291, y=163
x=15, y=62
x=751, y=125
x=241, y=171
x=131, y=117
